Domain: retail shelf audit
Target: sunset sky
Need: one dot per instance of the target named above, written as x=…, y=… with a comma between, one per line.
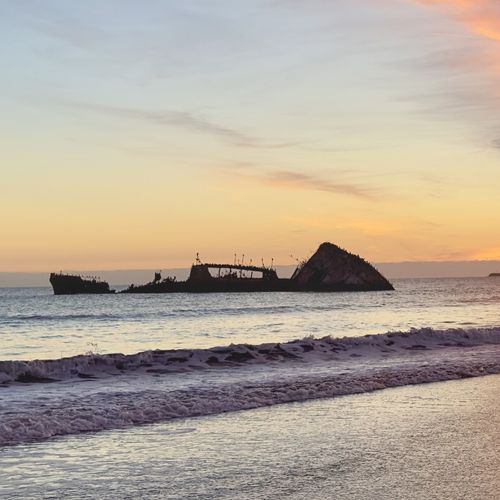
x=135, y=134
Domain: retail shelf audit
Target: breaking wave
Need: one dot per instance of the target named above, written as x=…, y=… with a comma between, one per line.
x=348, y=366
x=308, y=349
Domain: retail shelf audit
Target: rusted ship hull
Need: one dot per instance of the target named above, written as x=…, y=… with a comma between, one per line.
x=214, y=286
x=248, y=286
x=68, y=284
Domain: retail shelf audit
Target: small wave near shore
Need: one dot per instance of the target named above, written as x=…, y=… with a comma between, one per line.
x=308, y=349
x=165, y=384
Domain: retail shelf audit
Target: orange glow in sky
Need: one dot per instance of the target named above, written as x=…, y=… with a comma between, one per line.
x=482, y=16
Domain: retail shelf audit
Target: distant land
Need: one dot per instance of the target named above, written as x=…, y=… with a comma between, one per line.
x=393, y=270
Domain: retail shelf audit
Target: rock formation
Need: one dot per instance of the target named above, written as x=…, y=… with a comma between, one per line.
x=333, y=269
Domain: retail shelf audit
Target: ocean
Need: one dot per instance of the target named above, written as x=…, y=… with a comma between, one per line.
x=81, y=376
x=35, y=324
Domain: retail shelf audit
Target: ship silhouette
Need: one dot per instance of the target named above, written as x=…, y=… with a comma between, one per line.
x=72, y=284
x=330, y=269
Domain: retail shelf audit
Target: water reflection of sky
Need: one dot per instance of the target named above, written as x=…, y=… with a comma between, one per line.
x=34, y=323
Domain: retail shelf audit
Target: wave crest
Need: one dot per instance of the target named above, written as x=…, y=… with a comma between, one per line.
x=308, y=349
x=287, y=372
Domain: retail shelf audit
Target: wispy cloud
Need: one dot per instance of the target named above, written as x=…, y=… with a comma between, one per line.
x=481, y=16
x=470, y=254
x=181, y=119
x=477, y=55
x=286, y=179
x=467, y=71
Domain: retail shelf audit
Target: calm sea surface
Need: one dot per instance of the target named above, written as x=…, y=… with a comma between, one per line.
x=36, y=324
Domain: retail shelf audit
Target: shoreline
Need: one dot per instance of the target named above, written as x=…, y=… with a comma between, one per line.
x=422, y=441
x=160, y=386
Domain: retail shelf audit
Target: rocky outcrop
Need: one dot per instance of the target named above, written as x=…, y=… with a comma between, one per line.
x=333, y=269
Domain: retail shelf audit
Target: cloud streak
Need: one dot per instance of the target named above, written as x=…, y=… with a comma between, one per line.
x=180, y=119
x=286, y=179
x=468, y=71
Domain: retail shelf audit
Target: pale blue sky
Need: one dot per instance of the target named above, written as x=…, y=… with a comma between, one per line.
x=123, y=119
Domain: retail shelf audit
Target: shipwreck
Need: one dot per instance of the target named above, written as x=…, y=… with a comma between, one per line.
x=330, y=269
x=71, y=284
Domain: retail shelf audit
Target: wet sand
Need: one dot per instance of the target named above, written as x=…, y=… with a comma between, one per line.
x=428, y=441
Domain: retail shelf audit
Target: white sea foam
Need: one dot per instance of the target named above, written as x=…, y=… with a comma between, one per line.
x=180, y=360
x=232, y=378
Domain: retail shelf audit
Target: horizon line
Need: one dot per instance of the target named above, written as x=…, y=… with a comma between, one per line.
x=385, y=263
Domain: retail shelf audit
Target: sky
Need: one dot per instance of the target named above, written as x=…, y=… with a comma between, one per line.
x=136, y=134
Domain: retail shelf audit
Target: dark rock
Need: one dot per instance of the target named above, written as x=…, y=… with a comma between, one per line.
x=333, y=269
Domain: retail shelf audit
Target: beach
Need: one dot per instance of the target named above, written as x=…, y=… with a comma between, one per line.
x=427, y=441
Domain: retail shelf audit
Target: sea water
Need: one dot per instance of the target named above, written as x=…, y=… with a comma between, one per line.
x=35, y=324
x=190, y=356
